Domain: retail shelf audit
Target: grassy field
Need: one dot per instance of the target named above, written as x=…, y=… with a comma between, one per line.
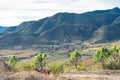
x=90, y=70
x=22, y=54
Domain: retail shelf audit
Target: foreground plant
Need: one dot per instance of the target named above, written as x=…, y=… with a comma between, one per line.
x=75, y=58
x=13, y=61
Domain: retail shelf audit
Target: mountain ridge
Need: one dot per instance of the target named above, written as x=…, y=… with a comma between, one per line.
x=95, y=26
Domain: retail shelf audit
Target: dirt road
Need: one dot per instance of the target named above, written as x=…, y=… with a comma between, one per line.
x=92, y=76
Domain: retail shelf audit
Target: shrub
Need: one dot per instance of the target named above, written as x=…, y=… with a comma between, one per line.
x=110, y=59
x=13, y=60
x=27, y=67
x=24, y=66
x=75, y=58
x=114, y=59
x=80, y=67
x=55, y=67
x=40, y=59
x=70, y=68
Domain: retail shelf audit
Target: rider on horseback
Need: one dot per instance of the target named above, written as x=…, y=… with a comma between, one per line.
x=41, y=68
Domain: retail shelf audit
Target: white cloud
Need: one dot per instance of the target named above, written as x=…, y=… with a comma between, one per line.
x=13, y=12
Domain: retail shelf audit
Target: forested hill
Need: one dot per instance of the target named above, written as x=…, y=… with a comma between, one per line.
x=95, y=26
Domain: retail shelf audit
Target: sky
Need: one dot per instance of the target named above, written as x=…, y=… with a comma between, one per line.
x=14, y=12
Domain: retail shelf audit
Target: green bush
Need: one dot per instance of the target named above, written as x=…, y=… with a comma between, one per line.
x=70, y=68
x=112, y=66
x=81, y=67
x=75, y=58
x=40, y=59
x=109, y=58
x=13, y=61
x=24, y=66
x=55, y=67
x=27, y=67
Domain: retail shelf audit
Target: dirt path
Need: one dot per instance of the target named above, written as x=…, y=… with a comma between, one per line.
x=91, y=76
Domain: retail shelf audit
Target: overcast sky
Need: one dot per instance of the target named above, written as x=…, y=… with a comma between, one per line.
x=13, y=12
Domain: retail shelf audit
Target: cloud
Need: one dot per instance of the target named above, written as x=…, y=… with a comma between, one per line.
x=45, y=1
x=18, y=11
x=26, y=17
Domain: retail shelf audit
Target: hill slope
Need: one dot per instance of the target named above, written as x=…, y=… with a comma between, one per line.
x=97, y=26
x=2, y=28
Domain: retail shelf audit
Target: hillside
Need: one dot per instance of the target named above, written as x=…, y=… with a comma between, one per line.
x=2, y=29
x=108, y=32
x=97, y=27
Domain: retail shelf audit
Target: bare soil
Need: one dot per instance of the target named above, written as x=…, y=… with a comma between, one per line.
x=90, y=76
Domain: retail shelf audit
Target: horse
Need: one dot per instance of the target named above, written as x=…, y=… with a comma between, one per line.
x=37, y=70
x=44, y=71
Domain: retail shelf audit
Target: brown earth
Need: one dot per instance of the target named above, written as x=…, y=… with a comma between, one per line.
x=33, y=75
x=90, y=76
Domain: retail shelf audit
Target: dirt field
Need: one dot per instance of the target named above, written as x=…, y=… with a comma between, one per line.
x=26, y=75
x=91, y=76
x=32, y=75
x=19, y=53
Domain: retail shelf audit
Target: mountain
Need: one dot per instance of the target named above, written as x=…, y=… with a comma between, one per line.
x=10, y=29
x=97, y=26
x=2, y=29
x=107, y=33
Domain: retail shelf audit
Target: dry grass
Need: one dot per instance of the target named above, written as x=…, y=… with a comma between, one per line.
x=61, y=51
x=19, y=53
x=28, y=75
x=117, y=43
x=88, y=62
x=32, y=75
x=90, y=76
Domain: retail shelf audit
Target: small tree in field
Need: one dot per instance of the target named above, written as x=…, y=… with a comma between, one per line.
x=114, y=59
x=13, y=60
x=74, y=58
x=44, y=56
x=101, y=55
x=109, y=59
x=40, y=60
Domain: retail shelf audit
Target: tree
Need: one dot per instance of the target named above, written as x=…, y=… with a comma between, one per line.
x=40, y=60
x=74, y=58
x=13, y=60
x=114, y=59
x=109, y=59
x=101, y=55
x=44, y=56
